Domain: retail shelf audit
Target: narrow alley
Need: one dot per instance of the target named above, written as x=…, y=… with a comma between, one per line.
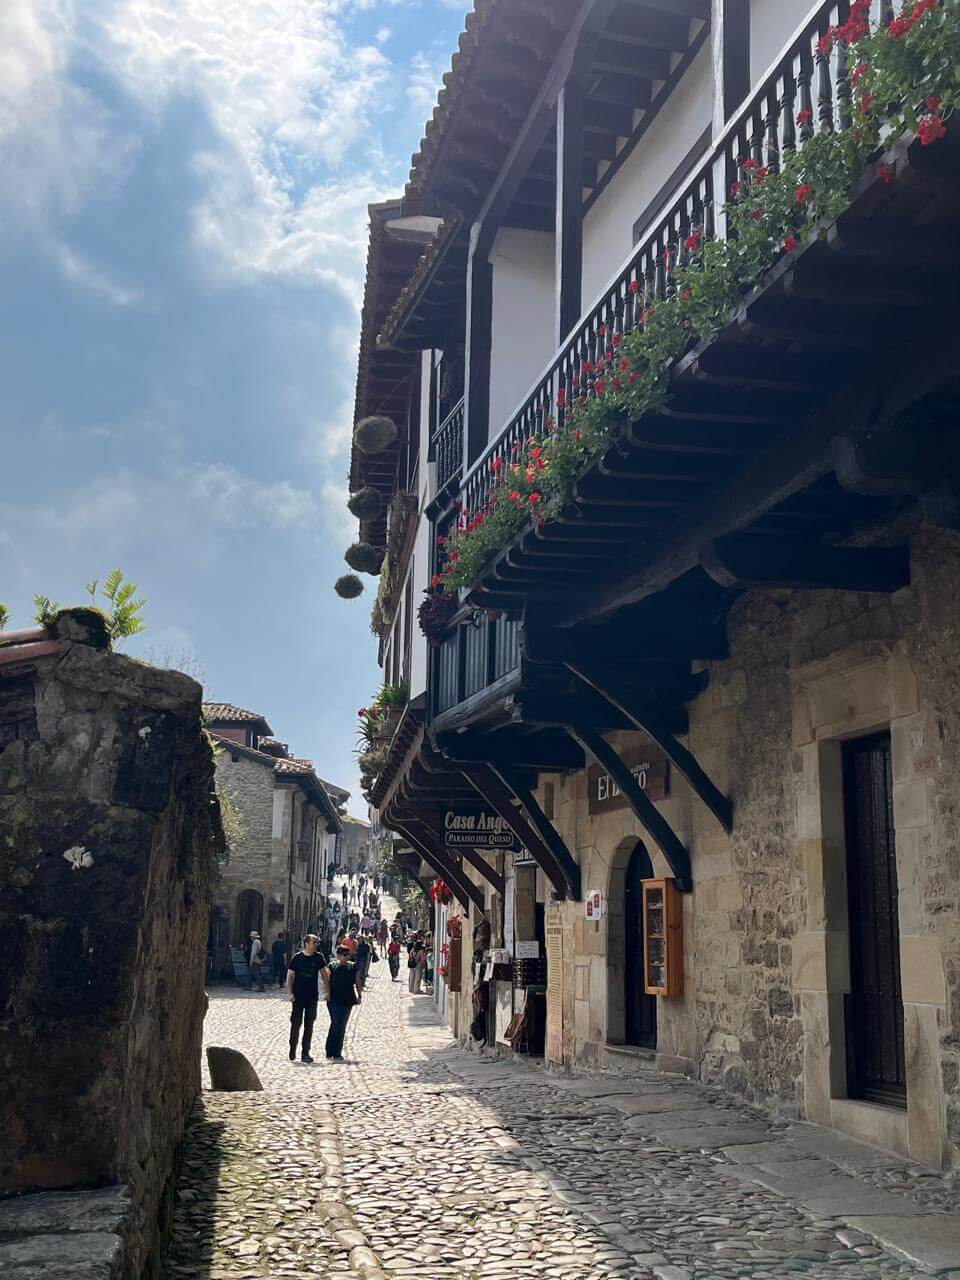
x=415, y=1158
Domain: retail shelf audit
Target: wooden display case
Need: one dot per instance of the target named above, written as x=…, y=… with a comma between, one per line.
x=662, y=938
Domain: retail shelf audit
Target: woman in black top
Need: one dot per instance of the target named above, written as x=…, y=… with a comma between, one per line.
x=341, y=986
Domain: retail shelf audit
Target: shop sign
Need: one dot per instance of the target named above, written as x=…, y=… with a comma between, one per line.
x=477, y=828
x=524, y=858
x=650, y=767
x=593, y=905
x=527, y=950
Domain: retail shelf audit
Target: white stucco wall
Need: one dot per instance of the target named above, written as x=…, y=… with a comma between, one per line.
x=608, y=227
x=523, y=317
x=772, y=23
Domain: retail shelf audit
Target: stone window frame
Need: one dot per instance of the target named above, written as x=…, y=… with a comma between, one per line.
x=864, y=689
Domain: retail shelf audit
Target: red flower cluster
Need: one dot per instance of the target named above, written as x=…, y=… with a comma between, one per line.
x=692, y=241
x=857, y=72
x=757, y=215
x=903, y=22
x=790, y=244
x=633, y=286
x=849, y=32
x=804, y=117
x=749, y=164
x=803, y=193
x=866, y=102
x=930, y=130
x=885, y=173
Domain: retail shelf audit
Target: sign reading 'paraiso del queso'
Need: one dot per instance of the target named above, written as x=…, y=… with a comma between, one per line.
x=649, y=766
x=476, y=828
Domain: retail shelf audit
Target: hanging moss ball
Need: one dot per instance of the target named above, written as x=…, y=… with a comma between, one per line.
x=348, y=587
x=374, y=434
x=364, y=557
x=366, y=504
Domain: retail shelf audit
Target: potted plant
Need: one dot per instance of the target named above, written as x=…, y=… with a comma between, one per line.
x=392, y=700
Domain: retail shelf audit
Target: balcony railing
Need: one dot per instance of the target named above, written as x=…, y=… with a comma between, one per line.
x=764, y=128
x=471, y=659
x=448, y=446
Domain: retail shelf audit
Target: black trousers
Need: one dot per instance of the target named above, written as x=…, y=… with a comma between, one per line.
x=339, y=1015
x=306, y=1014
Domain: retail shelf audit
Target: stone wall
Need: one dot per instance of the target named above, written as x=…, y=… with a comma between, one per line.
x=108, y=835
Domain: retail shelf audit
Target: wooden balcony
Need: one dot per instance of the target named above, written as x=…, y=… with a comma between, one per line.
x=447, y=448
x=747, y=440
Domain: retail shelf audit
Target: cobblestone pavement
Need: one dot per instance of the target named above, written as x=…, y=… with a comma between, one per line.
x=415, y=1158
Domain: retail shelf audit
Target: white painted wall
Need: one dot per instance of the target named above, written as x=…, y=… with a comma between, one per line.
x=772, y=23
x=608, y=227
x=523, y=310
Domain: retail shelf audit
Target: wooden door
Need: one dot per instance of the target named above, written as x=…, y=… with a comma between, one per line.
x=640, y=1009
x=874, y=1022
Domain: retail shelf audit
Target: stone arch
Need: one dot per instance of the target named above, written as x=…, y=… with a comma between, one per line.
x=247, y=915
x=630, y=854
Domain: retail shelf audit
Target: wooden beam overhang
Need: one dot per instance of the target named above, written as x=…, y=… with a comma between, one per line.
x=647, y=813
x=651, y=722
x=465, y=890
x=544, y=828
x=741, y=561
x=557, y=755
x=500, y=798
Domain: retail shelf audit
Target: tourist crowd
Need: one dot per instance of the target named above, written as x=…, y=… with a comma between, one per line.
x=336, y=966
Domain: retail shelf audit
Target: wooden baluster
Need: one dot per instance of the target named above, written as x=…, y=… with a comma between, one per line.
x=844, y=117
x=886, y=12
x=756, y=136
x=824, y=92
x=772, y=141
x=805, y=93
x=788, y=110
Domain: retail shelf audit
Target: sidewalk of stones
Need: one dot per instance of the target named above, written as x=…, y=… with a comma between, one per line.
x=417, y=1158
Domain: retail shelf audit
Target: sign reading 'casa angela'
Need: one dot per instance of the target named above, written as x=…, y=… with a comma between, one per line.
x=477, y=828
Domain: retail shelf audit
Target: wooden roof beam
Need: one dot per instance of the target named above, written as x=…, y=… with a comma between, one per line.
x=737, y=561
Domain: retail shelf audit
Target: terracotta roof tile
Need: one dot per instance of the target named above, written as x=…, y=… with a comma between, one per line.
x=227, y=713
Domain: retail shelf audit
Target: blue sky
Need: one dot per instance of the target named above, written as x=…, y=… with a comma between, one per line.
x=182, y=236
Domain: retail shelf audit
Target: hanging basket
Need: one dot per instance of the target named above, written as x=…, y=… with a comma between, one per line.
x=435, y=614
x=348, y=587
x=374, y=434
x=366, y=504
x=364, y=557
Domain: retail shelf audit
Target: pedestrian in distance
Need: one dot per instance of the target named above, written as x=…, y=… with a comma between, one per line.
x=363, y=960
x=343, y=893
x=303, y=988
x=278, y=954
x=383, y=933
x=415, y=966
x=256, y=959
x=342, y=992
x=393, y=958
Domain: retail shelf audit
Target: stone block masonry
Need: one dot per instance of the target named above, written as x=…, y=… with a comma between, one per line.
x=109, y=831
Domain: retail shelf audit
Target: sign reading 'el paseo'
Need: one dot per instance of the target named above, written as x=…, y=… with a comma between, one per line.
x=650, y=767
x=477, y=828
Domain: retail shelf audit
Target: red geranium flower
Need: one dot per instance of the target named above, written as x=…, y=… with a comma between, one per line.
x=804, y=117
x=735, y=188
x=857, y=72
x=435, y=580
x=454, y=557
x=633, y=286
x=885, y=173
x=759, y=176
x=749, y=164
x=866, y=102
x=757, y=215
x=933, y=104
x=930, y=130
x=790, y=244
x=687, y=295
x=534, y=499
x=803, y=193
x=692, y=241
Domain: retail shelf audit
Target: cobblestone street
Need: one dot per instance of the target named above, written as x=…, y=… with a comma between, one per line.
x=415, y=1158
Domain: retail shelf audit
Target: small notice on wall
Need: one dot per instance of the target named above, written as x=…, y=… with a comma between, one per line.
x=594, y=905
x=527, y=950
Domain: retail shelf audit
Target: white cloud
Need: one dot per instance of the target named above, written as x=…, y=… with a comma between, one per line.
x=426, y=74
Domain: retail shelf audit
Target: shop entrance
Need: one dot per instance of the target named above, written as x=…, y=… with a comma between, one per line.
x=248, y=916
x=640, y=1010
x=874, y=1007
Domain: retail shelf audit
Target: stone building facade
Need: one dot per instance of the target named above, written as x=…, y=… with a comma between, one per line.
x=275, y=877
x=765, y=1007
x=110, y=835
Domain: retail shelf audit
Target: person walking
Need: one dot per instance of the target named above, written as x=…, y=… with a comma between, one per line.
x=415, y=967
x=341, y=991
x=393, y=958
x=363, y=960
x=303, y=988
x=383, y=933
x=257, y=957
x=343, y=893
x=278, y=954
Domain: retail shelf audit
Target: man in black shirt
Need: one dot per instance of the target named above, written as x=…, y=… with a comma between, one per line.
x=303, y=988
x=341, y=988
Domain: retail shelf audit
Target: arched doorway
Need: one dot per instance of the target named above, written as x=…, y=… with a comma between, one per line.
x=247, y=916
x=640, y=1010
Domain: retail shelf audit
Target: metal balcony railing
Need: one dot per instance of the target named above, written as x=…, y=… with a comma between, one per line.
x=764, y=128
